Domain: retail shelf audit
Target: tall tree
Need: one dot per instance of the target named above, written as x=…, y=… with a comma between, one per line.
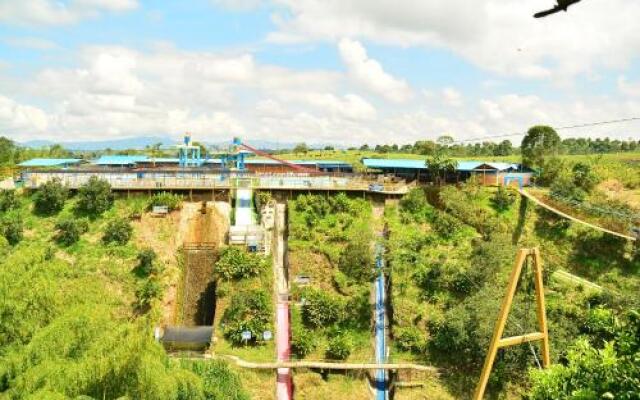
x=540, y=143
x=7, y=149
x=505, y=148
x=301, y=148
x=439, y=165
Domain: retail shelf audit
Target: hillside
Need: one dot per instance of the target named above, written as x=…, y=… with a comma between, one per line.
x=78, y=319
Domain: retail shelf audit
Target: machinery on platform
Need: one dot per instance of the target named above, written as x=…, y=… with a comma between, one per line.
x=189, y=155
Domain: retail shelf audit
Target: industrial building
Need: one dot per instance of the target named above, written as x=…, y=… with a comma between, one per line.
x=488, y=173
x=191, y=171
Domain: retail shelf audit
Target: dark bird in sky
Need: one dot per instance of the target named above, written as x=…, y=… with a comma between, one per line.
x=561, y=6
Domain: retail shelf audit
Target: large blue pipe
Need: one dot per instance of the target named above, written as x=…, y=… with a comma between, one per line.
x=380, y=334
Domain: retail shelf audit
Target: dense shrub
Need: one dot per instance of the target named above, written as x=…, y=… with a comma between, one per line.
x=117, y=231
x=445, y=225
x=584, y=177
x=219, y=382
x=69, y=230
x=12, y=229
x=170, y=200
x=319, y=308
x=50, y=197
x=409, y=338
x=303, y=341
x=414, y=206
x=236, y=263
x=146, y=262
x=551, y=170
x=148, y=291
x=565, y=189
x=356, y=260
x=8, y=200
x=94, y=197
x=594, y=373
x=600, y=324
x=247, y=311
x=340, y=347
x=503, y=199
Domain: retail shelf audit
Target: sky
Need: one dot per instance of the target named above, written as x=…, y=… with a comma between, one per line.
x=345, y=72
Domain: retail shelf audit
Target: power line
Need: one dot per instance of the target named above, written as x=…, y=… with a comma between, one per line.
x=568, y=127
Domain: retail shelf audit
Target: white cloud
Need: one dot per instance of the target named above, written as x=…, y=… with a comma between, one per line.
x=349, y=106
x=369, y=73
x=627, y=88
x=497, y=35
x=19, y=117
x=452, y=97
x=238, y=5
x=51, y=12
x=115, y=91
x=33, y=43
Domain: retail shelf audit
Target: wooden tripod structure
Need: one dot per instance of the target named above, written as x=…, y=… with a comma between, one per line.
x=497, y=340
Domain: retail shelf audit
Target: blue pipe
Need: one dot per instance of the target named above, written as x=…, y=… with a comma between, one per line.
x=380, y=336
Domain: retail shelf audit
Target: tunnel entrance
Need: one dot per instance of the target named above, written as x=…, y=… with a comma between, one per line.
x=199, y=296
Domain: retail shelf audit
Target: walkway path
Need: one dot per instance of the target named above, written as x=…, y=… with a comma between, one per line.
x=324, y=365
x=283, y=330
x=579, y=221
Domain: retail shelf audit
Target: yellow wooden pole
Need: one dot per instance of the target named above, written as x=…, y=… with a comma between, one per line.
x=502, y=320
x=542, y=314
x=497, y=341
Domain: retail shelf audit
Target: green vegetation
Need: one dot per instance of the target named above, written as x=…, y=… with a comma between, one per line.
x=8, y=200
x=117, y=231
x=450, y=252
x=602, y=370
x=50, y=197
x=330, y=242
x=540, y=144
x=249, y=311
x=172, y=201
x=69, y=230
x=12, y=228
x=94, y=197
x=147, y=264
x=244, y=302
x=71, y=326
x=235, y=263
x=340, y=347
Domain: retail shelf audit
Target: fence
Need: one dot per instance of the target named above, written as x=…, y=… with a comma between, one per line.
x=137, y=181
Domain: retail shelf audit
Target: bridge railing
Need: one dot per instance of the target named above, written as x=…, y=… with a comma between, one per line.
x=223, y=181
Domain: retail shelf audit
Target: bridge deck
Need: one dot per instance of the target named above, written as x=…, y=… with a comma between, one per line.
x=131, y=181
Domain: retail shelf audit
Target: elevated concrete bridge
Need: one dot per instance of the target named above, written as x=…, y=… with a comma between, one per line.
x=194, y=181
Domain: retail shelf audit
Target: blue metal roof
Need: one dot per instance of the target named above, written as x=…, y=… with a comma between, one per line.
x=120, y=160
x=394, y=163
x=421, y=164
x=49, y=162
x=298, y=162
x=161, y=160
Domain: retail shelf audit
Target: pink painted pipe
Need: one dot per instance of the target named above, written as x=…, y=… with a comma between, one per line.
x=284, y=386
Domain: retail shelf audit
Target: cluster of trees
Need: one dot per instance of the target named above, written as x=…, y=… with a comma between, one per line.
x=602, y=368
x=11, y=153
x=68, y=329
x=248, y=310
x=336, y=315
x=490, y=148
x=237, y=271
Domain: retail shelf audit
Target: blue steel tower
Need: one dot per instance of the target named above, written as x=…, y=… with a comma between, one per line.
x=189, y=154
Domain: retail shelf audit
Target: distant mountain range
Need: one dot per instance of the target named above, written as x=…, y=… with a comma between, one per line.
x=142, y=142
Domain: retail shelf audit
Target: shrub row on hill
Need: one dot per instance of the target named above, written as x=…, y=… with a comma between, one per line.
x=235, y=263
